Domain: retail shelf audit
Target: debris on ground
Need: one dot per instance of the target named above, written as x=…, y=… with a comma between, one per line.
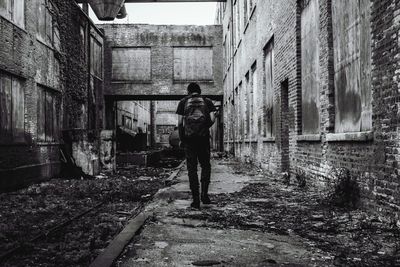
x=352, y=237
x=27, y=216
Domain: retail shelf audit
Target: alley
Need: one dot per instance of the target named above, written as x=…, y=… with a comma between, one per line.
x=258, y=222
x=108, y=106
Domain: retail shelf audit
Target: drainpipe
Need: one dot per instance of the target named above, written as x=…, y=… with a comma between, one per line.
x=233, y=76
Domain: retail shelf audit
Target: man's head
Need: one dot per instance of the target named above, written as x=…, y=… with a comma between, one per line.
x=193, y=88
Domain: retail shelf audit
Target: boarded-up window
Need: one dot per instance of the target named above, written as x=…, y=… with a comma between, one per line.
x=12, y=109
x=13, y=10
x=46, y=27
x=248, y=104
x=48, y=115
x=131, y=64
x=352, y=61
x=268, y=92
x=310, y=67
x=193, y=64
x=254, y=101
x=96, y=58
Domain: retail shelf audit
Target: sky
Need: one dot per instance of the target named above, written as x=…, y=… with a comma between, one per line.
x=167, y=13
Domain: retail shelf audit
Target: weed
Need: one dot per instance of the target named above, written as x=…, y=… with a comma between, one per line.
x=346, y=190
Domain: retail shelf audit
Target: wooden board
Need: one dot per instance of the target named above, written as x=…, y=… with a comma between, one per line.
x=352, y=61
x=193, y=63
x=5, y=108
x=18, y=111
x=49, y=130
x=41, y=114
x=96, y=58
x=310, y=69
x=131, y=64
x=41, y=19
x=268, y=91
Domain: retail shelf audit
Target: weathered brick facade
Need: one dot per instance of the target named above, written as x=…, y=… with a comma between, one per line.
x=54, y=73
x=161, y=41
x=371, y=155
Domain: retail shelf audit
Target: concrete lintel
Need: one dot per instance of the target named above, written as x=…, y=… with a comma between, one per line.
x=309, y=138
x=155, y=97
x=160, y=1
x=347, y=137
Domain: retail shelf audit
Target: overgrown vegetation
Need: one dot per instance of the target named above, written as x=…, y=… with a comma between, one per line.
x=301, y=178
x=345, y=192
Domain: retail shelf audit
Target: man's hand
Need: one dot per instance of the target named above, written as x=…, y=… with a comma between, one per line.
x=181, y=144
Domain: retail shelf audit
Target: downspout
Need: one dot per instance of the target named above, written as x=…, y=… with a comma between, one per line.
x=233, y=77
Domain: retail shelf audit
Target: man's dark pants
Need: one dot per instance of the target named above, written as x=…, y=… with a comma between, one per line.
x=198, y=150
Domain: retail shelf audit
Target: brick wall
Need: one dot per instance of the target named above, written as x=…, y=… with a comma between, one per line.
x=161, y=40
x=61, y=70
x=372, y=156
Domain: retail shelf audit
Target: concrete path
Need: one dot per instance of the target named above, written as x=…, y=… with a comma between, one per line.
x=166, y=240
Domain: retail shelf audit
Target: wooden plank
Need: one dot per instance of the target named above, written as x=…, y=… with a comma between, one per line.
x=268, y=91
x=41, y=112
x=49, y=130
x=352, y=58
x=365, y=56
x=131, y=64
x=310, y=68
x=18, y=111
x=6, y=108
x=56, y=118
x=41, y=19
x=193, y=63
x=19, y=13
x=5, y=7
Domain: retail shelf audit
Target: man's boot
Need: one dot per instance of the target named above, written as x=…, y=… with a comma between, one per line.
x=196, y=199
x=204, y=194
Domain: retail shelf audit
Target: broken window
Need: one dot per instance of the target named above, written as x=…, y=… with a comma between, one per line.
x=193, y=64
x=48, y=115
x=12, y=109
x=352, y=65
x=13, y=10
x=268, y=92
x=310, y=67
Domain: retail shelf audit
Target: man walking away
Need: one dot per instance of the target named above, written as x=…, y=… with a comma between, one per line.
x=196, y=116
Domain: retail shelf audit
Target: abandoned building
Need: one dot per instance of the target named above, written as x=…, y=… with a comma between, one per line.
x=315, y=85
x=304, y=87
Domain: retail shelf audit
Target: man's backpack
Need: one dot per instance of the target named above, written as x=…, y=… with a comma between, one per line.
x=197, y=117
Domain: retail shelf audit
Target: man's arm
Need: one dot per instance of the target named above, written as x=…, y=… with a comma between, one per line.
x=180, y=128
